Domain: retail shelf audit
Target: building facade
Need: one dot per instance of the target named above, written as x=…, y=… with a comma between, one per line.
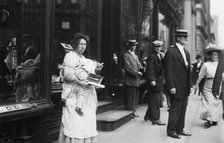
x=26, y=33
x=41, y=25
x=214, y=29
x=202, y=8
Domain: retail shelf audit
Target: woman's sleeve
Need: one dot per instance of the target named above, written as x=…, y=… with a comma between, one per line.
x=69, y=69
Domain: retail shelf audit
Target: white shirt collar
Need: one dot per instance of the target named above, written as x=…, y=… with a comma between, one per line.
x=132, y=52
x=180, y=47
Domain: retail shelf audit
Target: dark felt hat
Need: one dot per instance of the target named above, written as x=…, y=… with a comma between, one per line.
x=131, y=43
x=181, y=32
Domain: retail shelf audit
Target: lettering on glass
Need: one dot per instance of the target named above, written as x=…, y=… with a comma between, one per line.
x=15, y=107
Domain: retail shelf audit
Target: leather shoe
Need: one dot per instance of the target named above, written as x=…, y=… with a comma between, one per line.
x=214, y=123
x=208, y=124
x=184, y=133
x=174, y=135
x=158, y=122
x=134, y=115
x=146, y=119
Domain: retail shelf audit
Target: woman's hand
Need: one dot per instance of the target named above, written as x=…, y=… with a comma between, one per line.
x=195, y=89
x=153, y=83
x=140, y=73
x=173, y=91
x=83, y=82
x=99, y=67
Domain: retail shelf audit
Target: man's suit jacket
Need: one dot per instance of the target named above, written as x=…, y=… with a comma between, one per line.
x=218, y=76
x=155, y=72
x=132, y=67
x=196, y=70
x=177, y=75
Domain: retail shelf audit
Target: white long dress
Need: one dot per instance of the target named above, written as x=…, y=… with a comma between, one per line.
x=210, y=105
x=76, y=128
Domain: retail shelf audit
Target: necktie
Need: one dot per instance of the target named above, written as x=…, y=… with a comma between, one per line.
x=184, y=56
x=160, y=57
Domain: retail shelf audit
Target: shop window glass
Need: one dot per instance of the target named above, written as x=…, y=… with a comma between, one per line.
x=71, y=17
x=21, y=49
x=129, y=23
x=163, y=31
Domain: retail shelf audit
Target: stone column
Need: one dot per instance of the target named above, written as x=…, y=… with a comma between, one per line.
x=186, y=23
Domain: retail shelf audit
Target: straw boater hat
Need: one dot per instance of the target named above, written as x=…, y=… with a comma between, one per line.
x=181, y=32
x=157, y=43
x=131, y=43
x=211, y=47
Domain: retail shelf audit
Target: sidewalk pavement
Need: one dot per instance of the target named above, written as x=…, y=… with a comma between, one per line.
x=140, y=131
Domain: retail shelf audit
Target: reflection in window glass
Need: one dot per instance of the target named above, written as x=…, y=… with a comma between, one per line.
x=70, y=18
x=163, y=31
x=21, y=45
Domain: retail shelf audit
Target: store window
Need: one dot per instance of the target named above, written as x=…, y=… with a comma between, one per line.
x=129, y=19
x=21, y=51
x=136, y=18
x=71, y=17
x=163, y=30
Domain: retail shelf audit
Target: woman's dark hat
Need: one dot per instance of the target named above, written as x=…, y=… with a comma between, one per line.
x=211, y=47
x=181, y=32
x=131, y=43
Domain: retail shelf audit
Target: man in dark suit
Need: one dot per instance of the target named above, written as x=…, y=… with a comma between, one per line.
x=196, y=68
x=154, y=76
x=132, y=68
x=177, y=70
x=219, y=76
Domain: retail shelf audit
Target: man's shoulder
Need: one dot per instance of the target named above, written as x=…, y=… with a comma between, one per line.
x=126, y=54
x=171, y=48
x=151, y=56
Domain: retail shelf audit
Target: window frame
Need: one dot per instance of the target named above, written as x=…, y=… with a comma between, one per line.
x=38, y=107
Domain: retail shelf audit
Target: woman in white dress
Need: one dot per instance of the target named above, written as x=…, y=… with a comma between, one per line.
x=210, y=104
x=76, y=128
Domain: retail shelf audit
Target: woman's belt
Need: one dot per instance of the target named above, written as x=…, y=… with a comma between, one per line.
x=209, y=78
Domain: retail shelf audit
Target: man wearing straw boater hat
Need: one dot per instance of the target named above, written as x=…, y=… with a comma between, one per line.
x=178, y=85
x=132, y=75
